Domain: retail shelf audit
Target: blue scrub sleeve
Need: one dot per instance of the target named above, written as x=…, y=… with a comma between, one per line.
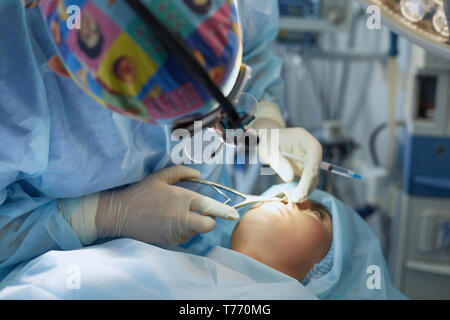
x=29, y=227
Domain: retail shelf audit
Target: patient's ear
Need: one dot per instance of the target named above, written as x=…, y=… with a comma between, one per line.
x=56, y=65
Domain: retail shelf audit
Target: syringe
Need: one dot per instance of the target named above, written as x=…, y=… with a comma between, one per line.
x=327, y=167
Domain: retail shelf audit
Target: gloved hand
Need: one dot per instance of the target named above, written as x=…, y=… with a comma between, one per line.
x=156, y=212
x=152, y=211
x=297, y=141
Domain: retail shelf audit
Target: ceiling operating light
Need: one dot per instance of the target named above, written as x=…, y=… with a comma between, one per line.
x=423, y=22
x=440, y=23
x=415, y=10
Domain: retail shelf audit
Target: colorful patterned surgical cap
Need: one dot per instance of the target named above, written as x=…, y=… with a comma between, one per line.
x=114, y=57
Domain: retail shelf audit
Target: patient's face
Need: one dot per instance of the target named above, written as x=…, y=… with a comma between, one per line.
x=290, y=238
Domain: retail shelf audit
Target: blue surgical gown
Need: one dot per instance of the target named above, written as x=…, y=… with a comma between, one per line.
x=56, y=142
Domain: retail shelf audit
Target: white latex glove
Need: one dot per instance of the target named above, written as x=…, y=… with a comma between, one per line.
x=152, y=211
x=276, y=139
x=156, y=212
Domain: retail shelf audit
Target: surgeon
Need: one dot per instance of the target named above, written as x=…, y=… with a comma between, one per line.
x=87, y=111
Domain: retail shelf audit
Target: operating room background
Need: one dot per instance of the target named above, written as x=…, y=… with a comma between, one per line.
x=337, y=84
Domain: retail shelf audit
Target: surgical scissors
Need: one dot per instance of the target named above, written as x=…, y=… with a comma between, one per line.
x=248, y=198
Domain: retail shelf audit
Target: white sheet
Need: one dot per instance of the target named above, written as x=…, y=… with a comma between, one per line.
x=128, y=269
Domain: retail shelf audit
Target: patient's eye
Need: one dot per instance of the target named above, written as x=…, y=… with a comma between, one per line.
x=319, y=214
x=321, y=211
x=318, y=209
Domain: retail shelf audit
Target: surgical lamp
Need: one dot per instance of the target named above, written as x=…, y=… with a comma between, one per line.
x=423, y=22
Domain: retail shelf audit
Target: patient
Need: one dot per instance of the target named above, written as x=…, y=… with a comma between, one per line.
x=291, y=238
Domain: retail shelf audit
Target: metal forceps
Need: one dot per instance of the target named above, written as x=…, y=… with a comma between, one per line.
x=248, y=198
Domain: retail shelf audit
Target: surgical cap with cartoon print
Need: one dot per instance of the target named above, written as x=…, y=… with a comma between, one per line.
x=115, y=57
